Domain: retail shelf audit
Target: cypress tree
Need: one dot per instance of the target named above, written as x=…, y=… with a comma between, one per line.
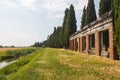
x=83, y=21
x=63, y=27
x=91, y=13
x=64, y=20
x=116, y=11
x=71, y=26
x=105, y=6
x=72, y=18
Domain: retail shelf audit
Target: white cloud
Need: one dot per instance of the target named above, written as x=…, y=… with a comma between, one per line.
x=60, y=6
x=8, y=4
x=80, y=4
x=56, y=5
x=15, y=4
x=56, y=16
x=30, y=4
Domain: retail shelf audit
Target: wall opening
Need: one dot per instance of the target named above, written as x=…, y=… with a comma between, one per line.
x=84, y=44
x=104, y=43
x=92, y=44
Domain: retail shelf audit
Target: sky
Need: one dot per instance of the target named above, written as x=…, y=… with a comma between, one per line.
x=23, y=22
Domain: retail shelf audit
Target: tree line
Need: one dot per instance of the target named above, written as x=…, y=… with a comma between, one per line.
x=60, y=36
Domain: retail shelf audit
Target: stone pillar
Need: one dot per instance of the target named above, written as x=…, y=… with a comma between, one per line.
x=111, y=43
x=81, y=44
x=87, y=43
x=97, y=47
x=113, y=55
x=76, y=45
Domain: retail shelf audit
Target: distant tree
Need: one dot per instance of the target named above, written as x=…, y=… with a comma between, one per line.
x=105, y=6
x=1, y=46
x=36, y=44
x=12, y=46
x=91, y=13
x=83, y=21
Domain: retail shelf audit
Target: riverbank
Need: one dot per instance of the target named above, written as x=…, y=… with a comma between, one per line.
x=16, y=66
x=10, y=55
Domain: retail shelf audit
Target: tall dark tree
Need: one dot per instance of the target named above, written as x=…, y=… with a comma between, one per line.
x=71, y=26
x=83, y=21
x=63, y=27
x=65, y=17
x=91, y=13
x=116, y=11
x=105, y=6
x=72, y=19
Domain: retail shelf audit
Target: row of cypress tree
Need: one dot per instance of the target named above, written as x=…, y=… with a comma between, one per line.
x=89, y=13
x=60, y=36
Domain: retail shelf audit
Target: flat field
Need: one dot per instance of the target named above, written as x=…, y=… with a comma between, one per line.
x=5, y=49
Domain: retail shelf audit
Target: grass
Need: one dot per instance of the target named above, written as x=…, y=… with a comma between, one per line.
x=60, y=64
x=15, y=67
x=15, y=54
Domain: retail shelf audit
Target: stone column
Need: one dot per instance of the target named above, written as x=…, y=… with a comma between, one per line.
x=97, y=47
x=81, y=44
x=113, y=55
x=87, y=43
x=78, y=42
x=76, y=45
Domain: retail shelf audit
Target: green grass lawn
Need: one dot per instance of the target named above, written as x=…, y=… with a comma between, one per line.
x=60, y=64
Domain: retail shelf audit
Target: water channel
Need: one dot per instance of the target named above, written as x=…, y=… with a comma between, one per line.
x=4, y=63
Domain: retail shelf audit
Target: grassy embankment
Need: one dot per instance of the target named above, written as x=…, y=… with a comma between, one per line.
x=8, y=54
x=56, y=64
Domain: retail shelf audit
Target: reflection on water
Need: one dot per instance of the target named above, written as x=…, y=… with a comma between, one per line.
x=4, y=64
